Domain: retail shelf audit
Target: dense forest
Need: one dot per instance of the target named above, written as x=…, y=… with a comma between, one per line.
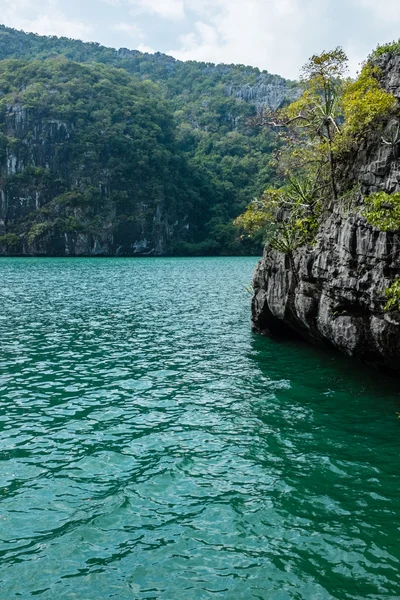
x=116, y=151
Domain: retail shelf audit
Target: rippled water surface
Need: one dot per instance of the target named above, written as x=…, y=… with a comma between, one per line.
x=152, y=447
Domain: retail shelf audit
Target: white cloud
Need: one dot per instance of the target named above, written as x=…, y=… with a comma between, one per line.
x=263, y=32
x=167, y=9
x=59, y=25
x=145, y=49
x=388, y=11
x=130, y=28
x=45, y=19
x=137, y=35
x=280, y=35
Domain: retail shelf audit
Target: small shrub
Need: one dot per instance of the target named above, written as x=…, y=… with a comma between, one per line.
x=393, y=296
x=391, y=48
x=366, y=105
x=9, y=240
x=38, y=230
x=383, y=211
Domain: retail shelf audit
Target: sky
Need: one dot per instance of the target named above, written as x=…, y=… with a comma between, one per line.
x=276, y=35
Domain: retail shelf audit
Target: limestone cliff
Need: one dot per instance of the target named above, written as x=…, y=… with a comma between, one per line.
x=333, y=292
x=267, y=91
x=89, y=164
x=36, y=172
x=92, y=164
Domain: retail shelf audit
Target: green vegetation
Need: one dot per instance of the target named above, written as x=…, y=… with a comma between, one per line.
x=9, y=241
x=318, y=110
x=137, y=135
x=383, y=211
x=108, y=145
x=392, y=48
x=366, y=107
x=289, y=215
x=225, y=159
x=393, y=296
x=319, y=130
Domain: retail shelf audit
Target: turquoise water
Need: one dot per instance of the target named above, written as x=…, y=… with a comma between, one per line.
x=152, y=447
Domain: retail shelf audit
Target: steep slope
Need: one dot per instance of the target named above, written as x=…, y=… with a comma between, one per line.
x=210, y=105
x=184, y=82
x=89, y=164
x=334, y=292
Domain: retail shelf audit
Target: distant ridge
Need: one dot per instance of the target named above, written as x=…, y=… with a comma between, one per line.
x=227, y=162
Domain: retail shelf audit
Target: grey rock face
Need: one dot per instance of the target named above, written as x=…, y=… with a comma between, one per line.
x=43, y=144
x=267, y=92
x=334, y=292
x=390, y=67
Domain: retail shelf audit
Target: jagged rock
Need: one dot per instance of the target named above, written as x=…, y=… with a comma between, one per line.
x=162, y=210
x=268, y=92
x=334, y=292
x=42, y=143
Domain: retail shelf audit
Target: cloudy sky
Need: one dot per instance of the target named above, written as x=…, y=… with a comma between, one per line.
x=277, y=35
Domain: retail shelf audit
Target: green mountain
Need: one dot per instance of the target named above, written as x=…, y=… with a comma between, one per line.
x=109, y=151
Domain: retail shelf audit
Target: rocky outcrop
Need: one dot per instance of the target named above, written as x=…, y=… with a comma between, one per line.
x=267, y=92
x=333, y=293
x=38, y=218
x=145, y=174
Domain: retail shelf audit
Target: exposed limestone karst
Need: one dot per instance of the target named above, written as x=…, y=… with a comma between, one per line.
x=185, y=194
x=334, y=291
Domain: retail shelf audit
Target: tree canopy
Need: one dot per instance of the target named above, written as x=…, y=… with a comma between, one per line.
x=208, y=108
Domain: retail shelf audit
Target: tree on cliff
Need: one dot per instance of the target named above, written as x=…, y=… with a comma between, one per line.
x=289, y=216
x=330, y=118
x=318, y=112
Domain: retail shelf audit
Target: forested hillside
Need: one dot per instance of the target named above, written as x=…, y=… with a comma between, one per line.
x=156, y=158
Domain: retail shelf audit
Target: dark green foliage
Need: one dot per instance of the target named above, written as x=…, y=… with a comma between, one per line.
x=9, y=242
x=117, y=147
x=393, y=296
x=207, y=138
x=382, y=210
x=391, y=48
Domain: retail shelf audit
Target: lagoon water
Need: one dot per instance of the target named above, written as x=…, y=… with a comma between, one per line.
x=153, y=448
